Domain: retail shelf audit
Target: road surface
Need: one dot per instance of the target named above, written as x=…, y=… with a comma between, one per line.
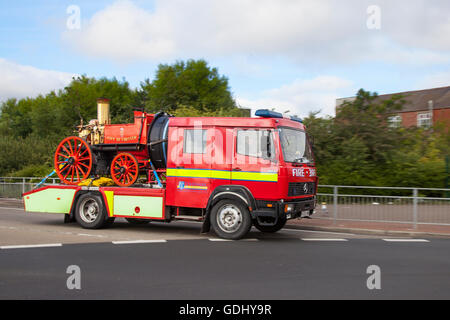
x=175, y=261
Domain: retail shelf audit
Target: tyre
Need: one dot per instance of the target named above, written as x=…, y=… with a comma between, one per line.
x=137, y=221
x=90, y=212
x=230, y=219
x=276, y=227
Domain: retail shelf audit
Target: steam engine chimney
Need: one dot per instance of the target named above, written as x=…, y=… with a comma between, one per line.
x=103, y=111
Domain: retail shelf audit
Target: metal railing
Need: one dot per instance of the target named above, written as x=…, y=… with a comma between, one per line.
x=339, y=203
x=13, y=187
x=384, y=204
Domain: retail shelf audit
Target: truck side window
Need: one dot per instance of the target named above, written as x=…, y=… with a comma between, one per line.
x=194, y=141
x=256, y=143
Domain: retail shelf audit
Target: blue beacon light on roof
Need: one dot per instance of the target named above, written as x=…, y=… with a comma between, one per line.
x=264, y=113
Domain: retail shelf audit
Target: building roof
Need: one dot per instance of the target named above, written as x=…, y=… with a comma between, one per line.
x=416, y=100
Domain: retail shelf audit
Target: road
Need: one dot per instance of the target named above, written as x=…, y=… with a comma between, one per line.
x=174, y=261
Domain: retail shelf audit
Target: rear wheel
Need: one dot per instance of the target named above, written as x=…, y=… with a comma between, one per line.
x=276, y=227
x=230, y=219
x=90, y=212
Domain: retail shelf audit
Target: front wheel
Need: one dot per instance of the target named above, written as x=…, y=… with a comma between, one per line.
x=230, y=219
x=270, y=229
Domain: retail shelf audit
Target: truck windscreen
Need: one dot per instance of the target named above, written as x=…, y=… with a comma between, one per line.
x=295, y=146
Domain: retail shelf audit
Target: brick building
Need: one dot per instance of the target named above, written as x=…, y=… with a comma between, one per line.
x=422, y=107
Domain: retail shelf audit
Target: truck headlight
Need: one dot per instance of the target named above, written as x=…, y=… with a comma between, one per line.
x=289, y=208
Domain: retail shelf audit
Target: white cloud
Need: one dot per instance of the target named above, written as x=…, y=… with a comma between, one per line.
x=301, y=96
x=439, y=79
x=418, y=24
x=303, y=31
x=20, y=81
x=122, y=31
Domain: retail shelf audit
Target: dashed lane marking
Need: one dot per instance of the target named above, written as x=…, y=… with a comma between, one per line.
x=91, y=235
x=26, y=246
x=323, y=239
x=406, y=240
x=12, y=208
x=138, y=241
x=219, y=239
x=314, y=231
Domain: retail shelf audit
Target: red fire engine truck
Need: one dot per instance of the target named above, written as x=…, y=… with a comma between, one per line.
x=230, y=173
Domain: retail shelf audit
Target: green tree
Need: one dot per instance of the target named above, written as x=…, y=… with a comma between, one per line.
x=80, y=99
x=367, y=118
x=191, y=84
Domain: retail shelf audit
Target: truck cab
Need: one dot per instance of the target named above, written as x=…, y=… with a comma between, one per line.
x=260, y=169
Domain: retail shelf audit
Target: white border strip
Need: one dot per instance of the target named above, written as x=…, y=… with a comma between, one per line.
x=138, y=241
x=323, y=239
x=314, y=231
x=406, y=240
x=13, y=208
x=220, y=239
x=48, y=245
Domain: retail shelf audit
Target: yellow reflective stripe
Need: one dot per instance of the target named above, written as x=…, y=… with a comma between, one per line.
x=196, y=187
x=110, y=199
x=190, y=173
x=217, y=174
x=254, y=176
x=220, y=174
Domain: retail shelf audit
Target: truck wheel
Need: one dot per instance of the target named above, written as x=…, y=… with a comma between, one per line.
x=90, y=212
x=230, y=219
x=276, y=227
x=137, y=221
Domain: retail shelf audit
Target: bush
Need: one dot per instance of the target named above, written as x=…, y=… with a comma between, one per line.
x=32, y=171
x=30, y=152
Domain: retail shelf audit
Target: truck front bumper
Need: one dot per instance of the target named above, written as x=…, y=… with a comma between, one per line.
x=284, y=209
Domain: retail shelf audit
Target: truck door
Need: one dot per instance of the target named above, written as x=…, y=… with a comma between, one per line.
x=255, y=161
x=188, y=176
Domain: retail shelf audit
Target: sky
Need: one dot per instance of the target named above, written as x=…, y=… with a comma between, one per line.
x=290, y=55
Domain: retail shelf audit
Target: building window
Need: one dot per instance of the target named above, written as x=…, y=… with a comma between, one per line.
x=194, y=141
x=424, y=120
x=395, y=121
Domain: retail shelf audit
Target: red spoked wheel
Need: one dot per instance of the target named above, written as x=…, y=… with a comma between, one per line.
x=73, y=160
x=124, y=169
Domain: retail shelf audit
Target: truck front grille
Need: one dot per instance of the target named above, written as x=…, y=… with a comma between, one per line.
x=301, y=188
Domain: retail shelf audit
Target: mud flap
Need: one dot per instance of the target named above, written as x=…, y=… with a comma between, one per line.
x=206, y=226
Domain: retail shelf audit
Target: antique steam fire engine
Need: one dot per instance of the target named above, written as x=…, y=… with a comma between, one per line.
x=123, y=151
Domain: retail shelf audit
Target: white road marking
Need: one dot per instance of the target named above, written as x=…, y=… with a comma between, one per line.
x=90, y=235
x=219, y=239
x=21, y=209
x=323, y=239
x=406, y=240
x=138, y=241
x=312, y=231
x=32, y=246
x=10, y=228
